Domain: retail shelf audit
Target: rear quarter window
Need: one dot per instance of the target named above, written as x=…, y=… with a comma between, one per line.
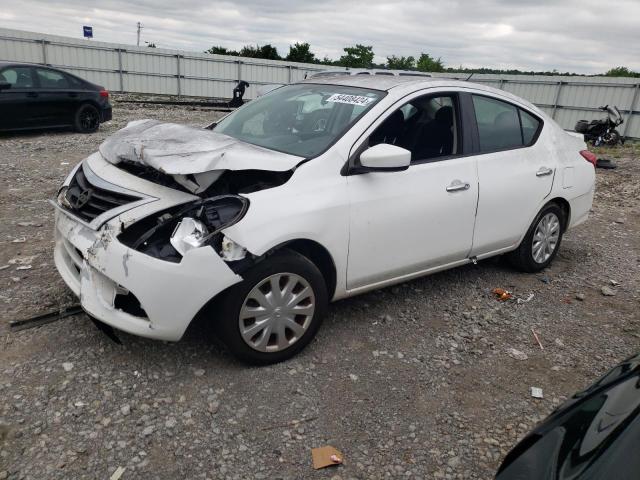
x=530, y=127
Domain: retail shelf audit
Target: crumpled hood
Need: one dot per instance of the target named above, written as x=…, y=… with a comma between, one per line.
x=182, y=150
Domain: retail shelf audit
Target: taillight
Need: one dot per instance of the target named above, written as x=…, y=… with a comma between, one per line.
x=589, y=156
x=104, y=93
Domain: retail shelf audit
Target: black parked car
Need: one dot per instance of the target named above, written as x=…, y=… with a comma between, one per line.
x=35, y=96
x=595, y=435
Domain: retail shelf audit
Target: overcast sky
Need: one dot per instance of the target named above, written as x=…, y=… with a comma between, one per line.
x=583, y=36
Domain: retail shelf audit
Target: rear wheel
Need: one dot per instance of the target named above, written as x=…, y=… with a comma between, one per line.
x=542, y=241
x=275, y=311
x=87, y=118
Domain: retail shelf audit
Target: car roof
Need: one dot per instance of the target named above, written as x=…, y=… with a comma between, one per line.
x=21, y=64
x=389, y=82
x=374, y=82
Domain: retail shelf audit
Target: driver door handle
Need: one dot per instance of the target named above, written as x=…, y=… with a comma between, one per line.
x=457, y=185
x=544, y=171
x=32, y=94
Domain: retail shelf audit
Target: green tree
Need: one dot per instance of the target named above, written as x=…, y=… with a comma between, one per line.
x=360, y=56
x=267, y=51
x=327, y=61
x=401, y=63
x=217, y=50
x=622, y=72
x=301, y=52
x=426, y=63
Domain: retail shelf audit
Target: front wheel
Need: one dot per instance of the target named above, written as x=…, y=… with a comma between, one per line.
x=87, y=119
x=613, y=138
x=542, y=241
x=275, y=311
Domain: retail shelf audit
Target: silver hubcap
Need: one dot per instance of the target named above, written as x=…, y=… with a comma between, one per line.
x=545, y=238
x=277, y=312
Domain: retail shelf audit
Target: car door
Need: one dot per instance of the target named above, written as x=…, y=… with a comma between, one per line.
x=17, y=103
x=408, y=222
x=515, y=173
x=56, y=97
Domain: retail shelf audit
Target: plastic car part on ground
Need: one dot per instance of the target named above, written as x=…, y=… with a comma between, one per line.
x=325, y=457
x=502, y=294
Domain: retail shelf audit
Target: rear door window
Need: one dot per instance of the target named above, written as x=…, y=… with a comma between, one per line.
x=498, y=124
x=50, y=79
x=18, y=77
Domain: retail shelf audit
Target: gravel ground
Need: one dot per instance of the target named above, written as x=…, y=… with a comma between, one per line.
x=414, y=381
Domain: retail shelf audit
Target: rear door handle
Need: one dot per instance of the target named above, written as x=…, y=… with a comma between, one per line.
x=73, y=94
x=457, y=185
x=32, y=94
x=544, y=171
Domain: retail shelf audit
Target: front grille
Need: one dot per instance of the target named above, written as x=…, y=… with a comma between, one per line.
x=89, y=201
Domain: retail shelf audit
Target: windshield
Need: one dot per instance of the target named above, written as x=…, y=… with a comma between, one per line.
x=302, y=119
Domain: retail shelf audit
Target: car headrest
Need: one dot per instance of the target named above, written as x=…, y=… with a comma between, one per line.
x=444, y=116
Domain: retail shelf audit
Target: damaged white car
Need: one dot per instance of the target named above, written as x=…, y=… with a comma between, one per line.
x=314, y=192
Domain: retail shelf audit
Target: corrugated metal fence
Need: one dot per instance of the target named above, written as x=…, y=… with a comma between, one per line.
x=126, y=68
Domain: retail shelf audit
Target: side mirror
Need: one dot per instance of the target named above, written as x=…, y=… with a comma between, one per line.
x=5, y=85
x=385, y=158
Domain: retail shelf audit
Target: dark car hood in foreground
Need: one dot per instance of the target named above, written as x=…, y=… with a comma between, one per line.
x=594, y=435
x=183, y=150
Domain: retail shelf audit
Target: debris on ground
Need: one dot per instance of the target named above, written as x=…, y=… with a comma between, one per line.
x=605, y=163
x=117, y=473
x=535, y=335
x=502, y=294
x=608, y=292
x=526, y=300
x=517, y=354
x=536, y=392
x=325, y=457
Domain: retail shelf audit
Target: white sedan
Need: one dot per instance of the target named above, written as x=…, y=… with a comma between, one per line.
x=314, y=192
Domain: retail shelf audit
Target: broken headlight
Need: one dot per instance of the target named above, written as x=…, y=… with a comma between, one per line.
x=169, y=235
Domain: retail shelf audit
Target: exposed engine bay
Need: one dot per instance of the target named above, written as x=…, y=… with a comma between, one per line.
x=197, y=161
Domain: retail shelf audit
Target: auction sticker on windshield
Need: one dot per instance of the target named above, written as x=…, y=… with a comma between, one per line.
x=350, y=99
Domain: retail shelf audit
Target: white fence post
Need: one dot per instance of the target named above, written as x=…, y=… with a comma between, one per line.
x=44, y=51
x=120, y=73
x=178, y=73
x=555, y=100
x=634, y=99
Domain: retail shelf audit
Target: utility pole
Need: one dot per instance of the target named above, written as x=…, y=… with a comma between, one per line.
x=139, y=28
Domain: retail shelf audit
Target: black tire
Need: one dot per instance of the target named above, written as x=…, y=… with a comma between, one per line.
x=227, y=316
x=523, y=257
x=615, y=138
x=86, y=119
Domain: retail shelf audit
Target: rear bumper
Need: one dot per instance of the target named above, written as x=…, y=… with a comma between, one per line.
x=106, y=113
x=580, y=208
x=98, y=268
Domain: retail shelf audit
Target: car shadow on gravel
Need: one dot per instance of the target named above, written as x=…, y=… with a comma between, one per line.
x=429, y=296
x=31, y=134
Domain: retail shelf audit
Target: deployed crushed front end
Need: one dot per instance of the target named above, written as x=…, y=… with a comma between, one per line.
x=113, y=248
x=139, y=224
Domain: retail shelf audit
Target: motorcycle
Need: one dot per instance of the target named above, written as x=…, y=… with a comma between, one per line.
x=602, y=131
